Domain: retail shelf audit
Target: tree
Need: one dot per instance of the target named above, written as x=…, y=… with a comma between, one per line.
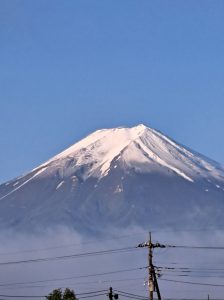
x=58, y=295
x=55, y=295
x=69, y=295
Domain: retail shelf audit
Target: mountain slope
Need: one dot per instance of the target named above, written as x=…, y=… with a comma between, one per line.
x=117, y=177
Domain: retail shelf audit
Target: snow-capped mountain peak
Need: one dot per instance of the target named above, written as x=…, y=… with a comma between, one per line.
x=99, y=149
x=119, y=175
x=139, y=147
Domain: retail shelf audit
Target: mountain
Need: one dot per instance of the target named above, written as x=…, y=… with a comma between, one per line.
x=117, y=178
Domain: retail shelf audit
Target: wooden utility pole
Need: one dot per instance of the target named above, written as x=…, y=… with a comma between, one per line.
x=111, y=294
x=156, y=285
x=150, y=267
x=152, y=281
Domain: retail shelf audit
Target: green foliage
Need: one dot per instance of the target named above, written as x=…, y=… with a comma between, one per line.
x=55, y=295
x=69, y=295
x=58, y=295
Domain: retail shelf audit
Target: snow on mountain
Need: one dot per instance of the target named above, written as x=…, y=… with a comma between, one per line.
x=136, y=146
x=93, y=179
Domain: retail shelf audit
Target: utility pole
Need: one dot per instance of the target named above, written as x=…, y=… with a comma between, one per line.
x=152, y=281
x=111, y=295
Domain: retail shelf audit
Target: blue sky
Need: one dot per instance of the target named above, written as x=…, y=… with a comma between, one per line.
x=70, y=67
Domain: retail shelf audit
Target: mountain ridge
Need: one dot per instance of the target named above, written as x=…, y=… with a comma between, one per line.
x=135, y=134
x=117, y=176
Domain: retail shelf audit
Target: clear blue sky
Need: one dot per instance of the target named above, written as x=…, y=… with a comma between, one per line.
x=70, y=67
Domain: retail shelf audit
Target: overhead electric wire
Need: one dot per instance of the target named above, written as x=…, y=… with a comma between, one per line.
x=80, y=295
x=190, y=298
x=44, y=296
x=192, y=276
x=188, y=268
x=181, y=264
x=74, y=277
x=71, y=256
x=193, y=283
x=76, y=283
x=130, y=294
x=196, y=247
x=192, y=247
x=92, y=296
x=92, y=292
x=132, y=297
x=180, y=274
x=189, y=271
x=111, y=238
x=66, y=245
x=22, y=296
x=121, y=237
x=186, y=272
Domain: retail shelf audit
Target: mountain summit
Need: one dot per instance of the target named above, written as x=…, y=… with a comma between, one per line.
x=117, y=177
x=138, y=147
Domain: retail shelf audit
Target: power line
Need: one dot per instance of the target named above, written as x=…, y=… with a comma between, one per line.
x=189, y=268
x=72, y=256
x=190, y=274
x=22, y=296
x=196, y=247
x=91, y=296
x=83, y=295
x=193, y=247
x=92, y=292
x=190, y=271
x=65, y=246
x=112, y=238
x=190, y=298
x=193, y=276
x=130, y=294
x=113, y=251
x=193, y=283
x=132, y=297
x=77, y=283
x=75, y=277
